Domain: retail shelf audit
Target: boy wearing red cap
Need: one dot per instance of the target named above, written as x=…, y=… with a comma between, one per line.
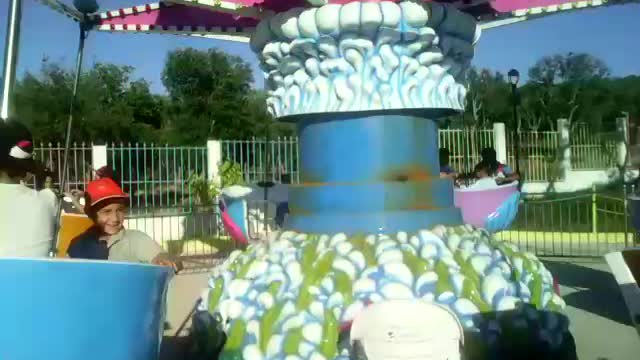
x=26, y=216
x=106, y=205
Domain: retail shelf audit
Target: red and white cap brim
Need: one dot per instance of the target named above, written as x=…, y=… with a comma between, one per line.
x=17, y=152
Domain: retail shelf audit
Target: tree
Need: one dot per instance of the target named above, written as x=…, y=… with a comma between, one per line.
x=111, y=107
x=562, y=86
x=208, y=95
x=488, y=98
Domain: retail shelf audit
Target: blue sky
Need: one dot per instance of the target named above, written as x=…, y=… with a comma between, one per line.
x=606, y=33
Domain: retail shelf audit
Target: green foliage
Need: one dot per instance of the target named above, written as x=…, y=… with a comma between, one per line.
x=111, y=106
x=209, y=96
x=231, y=174
x=572, y=86
x=206, y=191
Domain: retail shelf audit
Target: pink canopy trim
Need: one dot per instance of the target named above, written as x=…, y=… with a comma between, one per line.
x=181, y=15
x=242, y=15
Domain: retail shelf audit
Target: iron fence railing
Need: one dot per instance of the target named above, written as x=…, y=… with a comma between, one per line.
x=157, y=176
x=465, y=145
x=584, y=224
x=591, y=151
x=538, y=151
x=275, y=160
x=79, y=169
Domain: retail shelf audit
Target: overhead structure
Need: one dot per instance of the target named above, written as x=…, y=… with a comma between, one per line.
x=235, y=20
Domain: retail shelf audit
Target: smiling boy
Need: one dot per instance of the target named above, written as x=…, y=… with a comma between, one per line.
x=106, y=205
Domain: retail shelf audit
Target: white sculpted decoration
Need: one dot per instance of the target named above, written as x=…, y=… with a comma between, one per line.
x=365, y=56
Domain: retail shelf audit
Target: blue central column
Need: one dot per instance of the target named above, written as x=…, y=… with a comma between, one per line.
x=369, y=173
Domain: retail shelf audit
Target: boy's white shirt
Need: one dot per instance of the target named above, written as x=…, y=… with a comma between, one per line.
x=26, y=221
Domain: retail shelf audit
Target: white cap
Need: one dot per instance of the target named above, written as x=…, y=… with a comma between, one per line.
x=408, y=329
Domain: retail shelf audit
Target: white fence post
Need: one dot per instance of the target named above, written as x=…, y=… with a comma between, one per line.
x=500, y=142
x=98, y=157
x=214, y=159
x=564, y=148
x=622, y=127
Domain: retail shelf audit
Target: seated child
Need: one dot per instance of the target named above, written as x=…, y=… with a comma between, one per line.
x=446, y=171
x=484, y=180
x=106, y=205
x=26, y=215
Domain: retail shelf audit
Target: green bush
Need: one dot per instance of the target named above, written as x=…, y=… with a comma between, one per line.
x=206, y=191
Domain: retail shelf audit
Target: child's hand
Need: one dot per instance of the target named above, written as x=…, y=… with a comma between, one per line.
x=165, y=261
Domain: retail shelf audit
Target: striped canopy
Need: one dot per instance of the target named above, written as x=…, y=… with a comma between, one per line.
x=236, y=19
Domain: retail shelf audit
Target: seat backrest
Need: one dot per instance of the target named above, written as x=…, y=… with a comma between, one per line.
x=407, y=329
x=71, y=226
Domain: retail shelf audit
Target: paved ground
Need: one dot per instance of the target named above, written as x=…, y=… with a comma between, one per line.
x=599, y=319
x=184, y=290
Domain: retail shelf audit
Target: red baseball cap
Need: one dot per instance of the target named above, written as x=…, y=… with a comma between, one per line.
x=103, y=189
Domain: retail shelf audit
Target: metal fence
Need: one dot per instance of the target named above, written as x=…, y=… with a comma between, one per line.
x=591, y=151
x=275, y=160
x=79, y=168
x=157, y=177
x=538, y=151
x=465, y=145
x=591, y=223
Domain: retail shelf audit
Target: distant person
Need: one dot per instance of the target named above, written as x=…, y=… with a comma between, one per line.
x=106, y=205
x=446, y=171
x=43, y=181
x=107, y=172
x=26, y=215
x=501, y=172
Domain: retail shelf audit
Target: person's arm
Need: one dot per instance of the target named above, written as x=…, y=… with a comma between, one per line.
x=509, y=175
x=149, y=251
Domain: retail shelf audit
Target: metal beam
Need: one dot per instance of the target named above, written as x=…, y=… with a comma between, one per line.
x=63, y=9
x=12, y=44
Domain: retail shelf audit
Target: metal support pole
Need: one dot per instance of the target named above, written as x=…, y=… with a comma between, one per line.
x=12, y=42
x=65, y=162
x=516, y=120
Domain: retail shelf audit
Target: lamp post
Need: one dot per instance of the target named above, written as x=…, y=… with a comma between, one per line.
x=85, y=23
x=12, y=41
x=514, y=78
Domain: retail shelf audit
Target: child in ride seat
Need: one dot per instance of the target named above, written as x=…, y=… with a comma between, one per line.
x=26, y=215
x=106, y=204
x=483, y=178
x=499, y=171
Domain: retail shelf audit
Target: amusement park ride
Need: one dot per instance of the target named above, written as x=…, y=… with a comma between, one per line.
x=366, y=83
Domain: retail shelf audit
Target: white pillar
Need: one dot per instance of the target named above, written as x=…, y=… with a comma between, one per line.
x=98, y=156
x=500, y=142
x=214, y=159
x=564, y=148
x=622, y=128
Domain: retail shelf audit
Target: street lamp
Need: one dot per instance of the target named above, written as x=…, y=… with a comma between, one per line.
x=85, y=23
x=514, y=78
